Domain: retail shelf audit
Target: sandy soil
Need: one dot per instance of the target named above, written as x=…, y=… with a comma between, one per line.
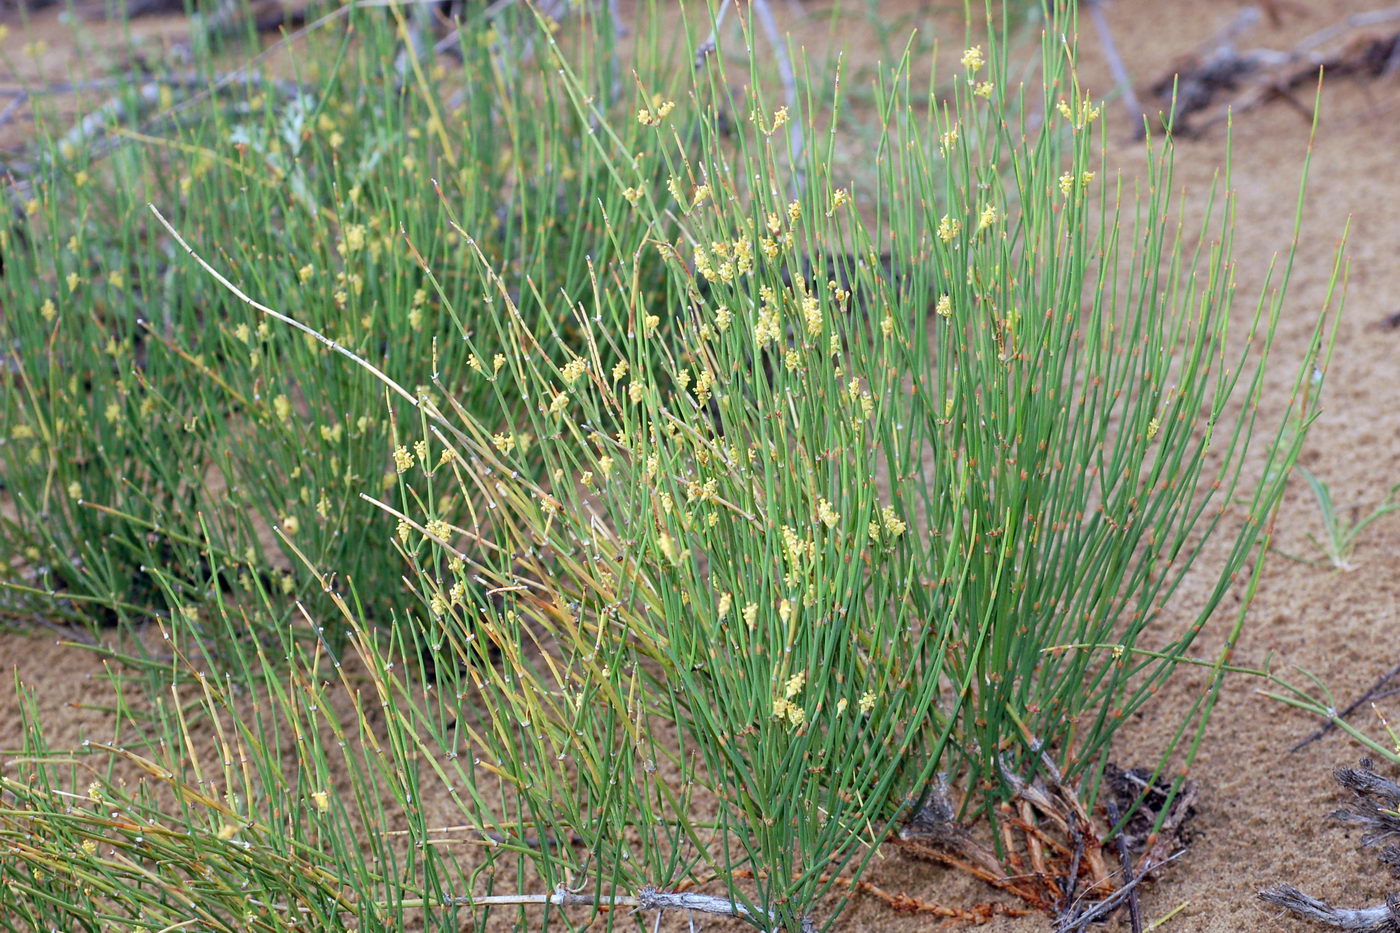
x=1262, y=811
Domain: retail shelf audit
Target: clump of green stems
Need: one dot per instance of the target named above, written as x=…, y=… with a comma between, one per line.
x=1339, y=536
x=138, y=401
x=812, y=493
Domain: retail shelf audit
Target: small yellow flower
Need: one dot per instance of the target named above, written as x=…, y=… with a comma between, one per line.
x=1153, y=427
x=1066, y=184
x=291, y=524
x=403, y=459
x=751, y=614
x=841, y=705
x=794, y=211
x=74, y=280
x=75, y=491
x=866, y=703
x=306, y=272
x=573, y=370
x=321, y=800
x=437, y=528
x=282, y=407
x=948, y=140
x=725, y=602
x=989, y=217
x=794, y=685
x=972, y=59
x=559, y=403
x=812, y=315
x=892, y=522
x=354, y=239
x=985, y=89
x=48, y=310
x=827, y=514
x=633, y=195
x=949, y=228
x=31, y=207
x=227, y=831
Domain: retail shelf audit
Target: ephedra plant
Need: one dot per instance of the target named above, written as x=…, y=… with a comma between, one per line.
x=876, y=506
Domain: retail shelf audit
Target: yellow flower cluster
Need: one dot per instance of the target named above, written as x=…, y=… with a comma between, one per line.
x=658, y=112
x=1068, y=181
x=890, y=523
x=1080, y=114
x=573, y=370
x=783, y=705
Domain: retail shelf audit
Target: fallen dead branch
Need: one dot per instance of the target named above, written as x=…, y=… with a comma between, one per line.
x=1248, y=78
x=1376, y=809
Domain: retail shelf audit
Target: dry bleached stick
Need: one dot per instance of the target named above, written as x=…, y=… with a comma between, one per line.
x=646, y=899
x=1377, y=801
x=1382, y=919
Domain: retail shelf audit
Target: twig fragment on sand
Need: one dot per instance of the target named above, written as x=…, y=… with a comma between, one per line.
x=1371, y=694
x=1078, y=918
x=1125, y=859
